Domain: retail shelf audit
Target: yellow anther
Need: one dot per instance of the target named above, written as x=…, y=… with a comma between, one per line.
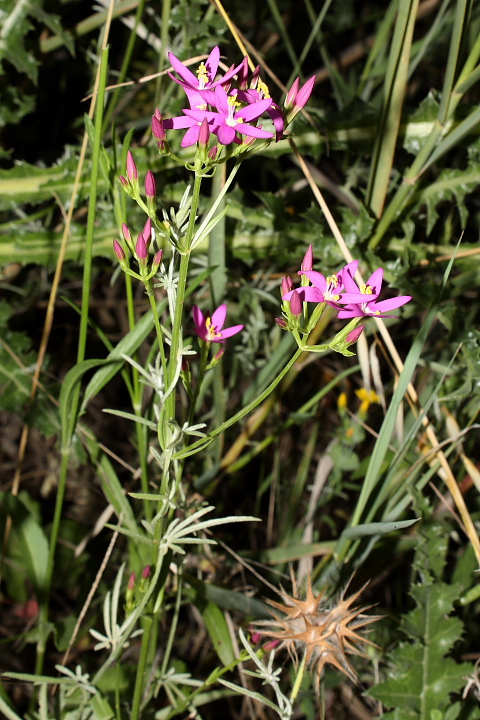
x=263, y=88
x=233, y=101
x=202, y=73
x=366, y=289
x=332, y=280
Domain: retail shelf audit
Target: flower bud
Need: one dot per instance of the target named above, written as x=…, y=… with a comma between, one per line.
x=118, y=250
x=304, y=93
x=146, y=572
x=291, y=95
x=147, y=232
x=295, y=304
x=204, y=133
x=281, y=323
x=150, y=185
x=132, y=172
x=287, y=285
x=126, y=233
x=212, y=153
x=354, y=334
x=157, y=126
x=307, y=263
x=131, y=581
x=141, y=249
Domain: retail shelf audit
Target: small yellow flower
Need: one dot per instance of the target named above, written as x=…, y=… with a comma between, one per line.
x=367, y=397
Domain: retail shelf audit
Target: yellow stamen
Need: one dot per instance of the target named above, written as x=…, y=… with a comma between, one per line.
x=202, y=73
x=263, y=88
x=366, y=289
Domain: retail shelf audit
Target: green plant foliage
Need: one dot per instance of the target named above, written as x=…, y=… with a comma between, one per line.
x=422, y=675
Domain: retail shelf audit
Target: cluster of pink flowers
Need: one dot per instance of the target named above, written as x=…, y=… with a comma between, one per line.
x=228, y=112
x=340, y=291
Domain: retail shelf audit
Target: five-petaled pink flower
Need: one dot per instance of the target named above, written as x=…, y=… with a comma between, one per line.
x=368, y=305
x=229, y=120
x=211, y=328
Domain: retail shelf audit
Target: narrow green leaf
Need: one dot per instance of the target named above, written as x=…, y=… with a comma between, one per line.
x=31, y=539
x=217, y=628
x=377, y=528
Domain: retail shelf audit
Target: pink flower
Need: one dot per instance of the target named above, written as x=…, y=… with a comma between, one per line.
x=211, y=329
x=228, y=120
x=206, y=74
x=368, y=305
x=329, y=289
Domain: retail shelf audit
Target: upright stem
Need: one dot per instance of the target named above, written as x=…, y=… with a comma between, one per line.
x=181, y=288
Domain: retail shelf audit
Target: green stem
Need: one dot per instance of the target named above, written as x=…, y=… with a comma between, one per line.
x=182, y=282
x=204, y=442
x=142, y=662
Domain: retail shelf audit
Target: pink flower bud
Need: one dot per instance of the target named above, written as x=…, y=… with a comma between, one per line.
x=307, y=263
x=150, y=185
x=146, y=572
x=141, y=248
x=242, y=75
x=291, y=95
x=124, y=181
x=131, y=581
x=255, y=637
x=218, y=356
x=147, y=232
x=204, y=134
x=354, y=334
x=287, y=285
x=212, y=153
x=269, y=646
x=295, y=304
x=132, y=172
x=126, y=233
x=281, y=323
x=158, y=257
x=157, y=127
x=118, y=250
x=304, y=93
x=255, y=76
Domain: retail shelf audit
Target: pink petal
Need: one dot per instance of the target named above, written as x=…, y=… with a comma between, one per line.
x=316, y=278
x=221, y=100
x=218, y=317
x=254, y=110
x=183, y=71
x=225, y=134
x=351, y=312
x=252, y=131
x=392, y=304
x=229, y=74
x=191, y=136
x=375, y=281
x=198, y=115
x=228, y=332
x=198, y=317
x=212, y=62
x=179, y=123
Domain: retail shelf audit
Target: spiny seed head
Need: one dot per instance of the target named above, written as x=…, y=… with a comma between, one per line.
x=325, y=635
